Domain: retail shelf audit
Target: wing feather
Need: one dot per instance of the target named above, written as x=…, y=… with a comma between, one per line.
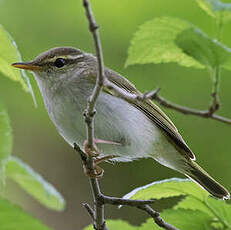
x=152, y=111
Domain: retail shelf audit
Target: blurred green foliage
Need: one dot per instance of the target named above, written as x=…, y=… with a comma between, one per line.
x=12, y=217
x=217, y=9
x=9, y=54
x=34, y=184
x=39, y=25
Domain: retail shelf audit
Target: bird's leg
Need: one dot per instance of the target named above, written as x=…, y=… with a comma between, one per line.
x=96, y=172
x=103, y=159
x=93, y=151
x=100, y=141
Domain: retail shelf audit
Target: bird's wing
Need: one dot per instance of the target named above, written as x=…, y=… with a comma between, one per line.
x=152, y=111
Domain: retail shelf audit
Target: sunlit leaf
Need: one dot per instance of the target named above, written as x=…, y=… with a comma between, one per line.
x=167, y=39
x=168, y=188
x=218, y=209
x=9, y=54
x=216, y=9
x=14, y=218
x=218, y=226
x=116, y=225
x=182, y=219
x=193, y=203
x=221, y=209
x=34, y=184
x=5, y=139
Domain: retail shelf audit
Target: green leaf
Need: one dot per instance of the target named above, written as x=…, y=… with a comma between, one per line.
x=216, y=9
x=14, y=218
x=115, y=225
x=218, y=225
x=193, y=203
x=5, y=134
x=168, y=188
x=221, y=209
x=218, y=209
x=34, y=184
x=9, y=54
x=5, y=140
x=166, y=39
x=182, y=219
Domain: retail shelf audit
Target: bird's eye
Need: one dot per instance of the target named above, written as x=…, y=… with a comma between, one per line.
x=59, y=62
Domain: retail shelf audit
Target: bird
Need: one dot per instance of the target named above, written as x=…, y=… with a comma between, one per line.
x=127, y=130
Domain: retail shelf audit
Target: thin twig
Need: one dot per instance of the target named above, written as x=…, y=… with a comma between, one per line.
x=120, y=201
x=215, y=72
x=99, y=222
x=90, y=211
x=156, y=217
x=140, y=204
x=90, y=112
x=215, y=104
x=189, y=111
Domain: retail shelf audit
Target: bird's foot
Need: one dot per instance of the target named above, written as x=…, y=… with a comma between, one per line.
x=91, y=151
x=97, y=172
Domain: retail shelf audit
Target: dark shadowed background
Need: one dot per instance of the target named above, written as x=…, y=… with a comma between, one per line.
x=39, y=25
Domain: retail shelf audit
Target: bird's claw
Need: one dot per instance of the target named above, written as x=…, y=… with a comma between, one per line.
x=97, y=172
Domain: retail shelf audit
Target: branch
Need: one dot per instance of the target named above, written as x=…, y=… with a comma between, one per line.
x=215, y=105
x=90, y=211
x=89, y=115
x=90, y=111
x=140, y=204
x=156, y=217
x=186, y=110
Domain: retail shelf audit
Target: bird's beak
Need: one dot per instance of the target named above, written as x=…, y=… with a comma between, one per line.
x=26, y=65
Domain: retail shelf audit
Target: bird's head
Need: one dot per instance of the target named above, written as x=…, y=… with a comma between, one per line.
x=55, y=63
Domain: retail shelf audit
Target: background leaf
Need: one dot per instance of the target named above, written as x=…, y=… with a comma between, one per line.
x=182, y=219
x=221, y=209
x=5, y=139
x=116, y=225
x=192, y=203
x=14, y=218
x=218, y=209
x=9, y=54
x=5, y=134
x=34, y=184
x=168, y=188
x=216, y=9
x=168, y=39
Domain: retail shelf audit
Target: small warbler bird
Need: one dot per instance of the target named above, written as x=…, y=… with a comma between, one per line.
x=128, y=130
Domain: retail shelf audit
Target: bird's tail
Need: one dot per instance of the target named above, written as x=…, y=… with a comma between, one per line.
x=197, y=174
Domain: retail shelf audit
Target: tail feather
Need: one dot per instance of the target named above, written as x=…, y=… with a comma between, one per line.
x=197, y=174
